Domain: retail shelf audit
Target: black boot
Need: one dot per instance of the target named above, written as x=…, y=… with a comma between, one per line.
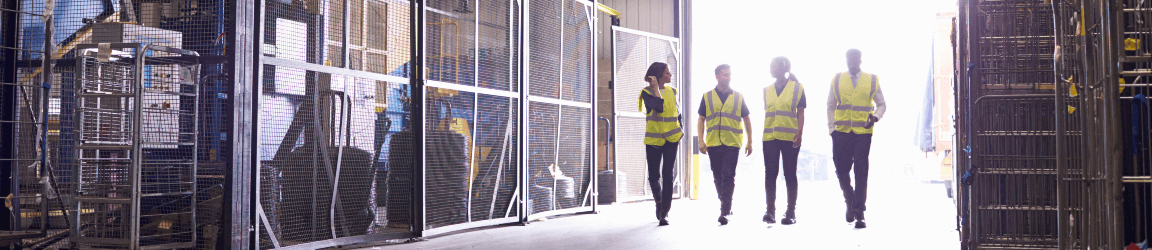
x=664, y=207
x=789, y=218
x=769, y=217
x=659, y=210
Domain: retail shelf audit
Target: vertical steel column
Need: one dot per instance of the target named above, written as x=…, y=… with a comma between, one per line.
x=594, y=182
x=244, y=67
x=8, y=108
x=1061, y=146
x=474, y=151
x=684, y=32
x=525, y=49
x=416, y=80
x=1113, y=186
x=974, y=30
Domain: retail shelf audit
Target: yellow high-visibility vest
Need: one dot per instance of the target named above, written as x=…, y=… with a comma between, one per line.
x=663, y=126
x=854, y=103
x=781, y=121
x=723, y=121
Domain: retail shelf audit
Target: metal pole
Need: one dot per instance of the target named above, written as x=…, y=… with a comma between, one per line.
x=418, y=102
x=525, y=105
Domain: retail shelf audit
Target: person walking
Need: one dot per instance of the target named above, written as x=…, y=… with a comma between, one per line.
x=855, y=104
x=662, y=135
x=784, y=103
x=723, y=113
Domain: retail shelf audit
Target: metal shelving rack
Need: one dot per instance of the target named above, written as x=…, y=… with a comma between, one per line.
x=136, y=146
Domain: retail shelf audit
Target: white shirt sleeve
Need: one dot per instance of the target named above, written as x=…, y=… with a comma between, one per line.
x=832, y=106
x=879, y=100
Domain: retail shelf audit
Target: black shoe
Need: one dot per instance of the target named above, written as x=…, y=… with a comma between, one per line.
x=723, y=220
x=861, y=224
x=663, y=222
x=849, y=216
x=789, y=218
x=659, y=210
x=769, y=218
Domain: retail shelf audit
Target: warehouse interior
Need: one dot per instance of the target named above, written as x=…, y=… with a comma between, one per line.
x=398, y=124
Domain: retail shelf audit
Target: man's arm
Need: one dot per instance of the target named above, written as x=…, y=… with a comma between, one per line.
x=748, y=131
x=881, y=107
x=800, y=132
x=701, y=137
x=832, y=107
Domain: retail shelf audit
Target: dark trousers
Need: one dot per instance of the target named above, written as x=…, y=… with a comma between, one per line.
x=656, y=155
x=850, y=153
x=772, y=151
x=724, y=159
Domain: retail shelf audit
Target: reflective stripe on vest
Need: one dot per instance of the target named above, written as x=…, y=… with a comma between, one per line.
x=664, y=126
x=723, y=121
x=854, y=102
x=780, y=118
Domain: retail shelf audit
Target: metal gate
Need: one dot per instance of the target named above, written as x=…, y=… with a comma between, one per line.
x=632, y=52
x=559, y=116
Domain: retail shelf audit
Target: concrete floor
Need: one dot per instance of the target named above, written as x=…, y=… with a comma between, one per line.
x=902, y=213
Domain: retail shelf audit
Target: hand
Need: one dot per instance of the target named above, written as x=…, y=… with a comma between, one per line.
x=796, y=142
x=652, y=81
x=748, y=150
x=871, y=121
x=703, y=147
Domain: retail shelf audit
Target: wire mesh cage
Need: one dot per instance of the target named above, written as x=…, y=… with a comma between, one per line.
x=136, y=140
x=1013, y=194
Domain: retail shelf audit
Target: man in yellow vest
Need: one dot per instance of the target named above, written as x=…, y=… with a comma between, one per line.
x=662, y=135
x=723, y=113
x=784, y=103
x=855, y=103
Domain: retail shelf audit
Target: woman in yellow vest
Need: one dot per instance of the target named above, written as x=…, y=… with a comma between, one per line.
x=722, y=113
x=784, y=103
x=661, y=136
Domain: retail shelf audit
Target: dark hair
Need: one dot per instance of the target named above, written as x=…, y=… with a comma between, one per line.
x=784, y=61
x=722, y=67
x=853, y=51
x=656, y=70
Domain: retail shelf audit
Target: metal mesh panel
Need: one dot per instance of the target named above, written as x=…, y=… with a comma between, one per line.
x=1016, y=47
x=574, y=158
x=631, y=62
x=577, y=58
x=543, y=124
x=493, y=181
x=497, y=59
x=448, y=138
x=1013, y=194
x=451, y=33
x=632, y=175
x=318, y=179
x=545, y=27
